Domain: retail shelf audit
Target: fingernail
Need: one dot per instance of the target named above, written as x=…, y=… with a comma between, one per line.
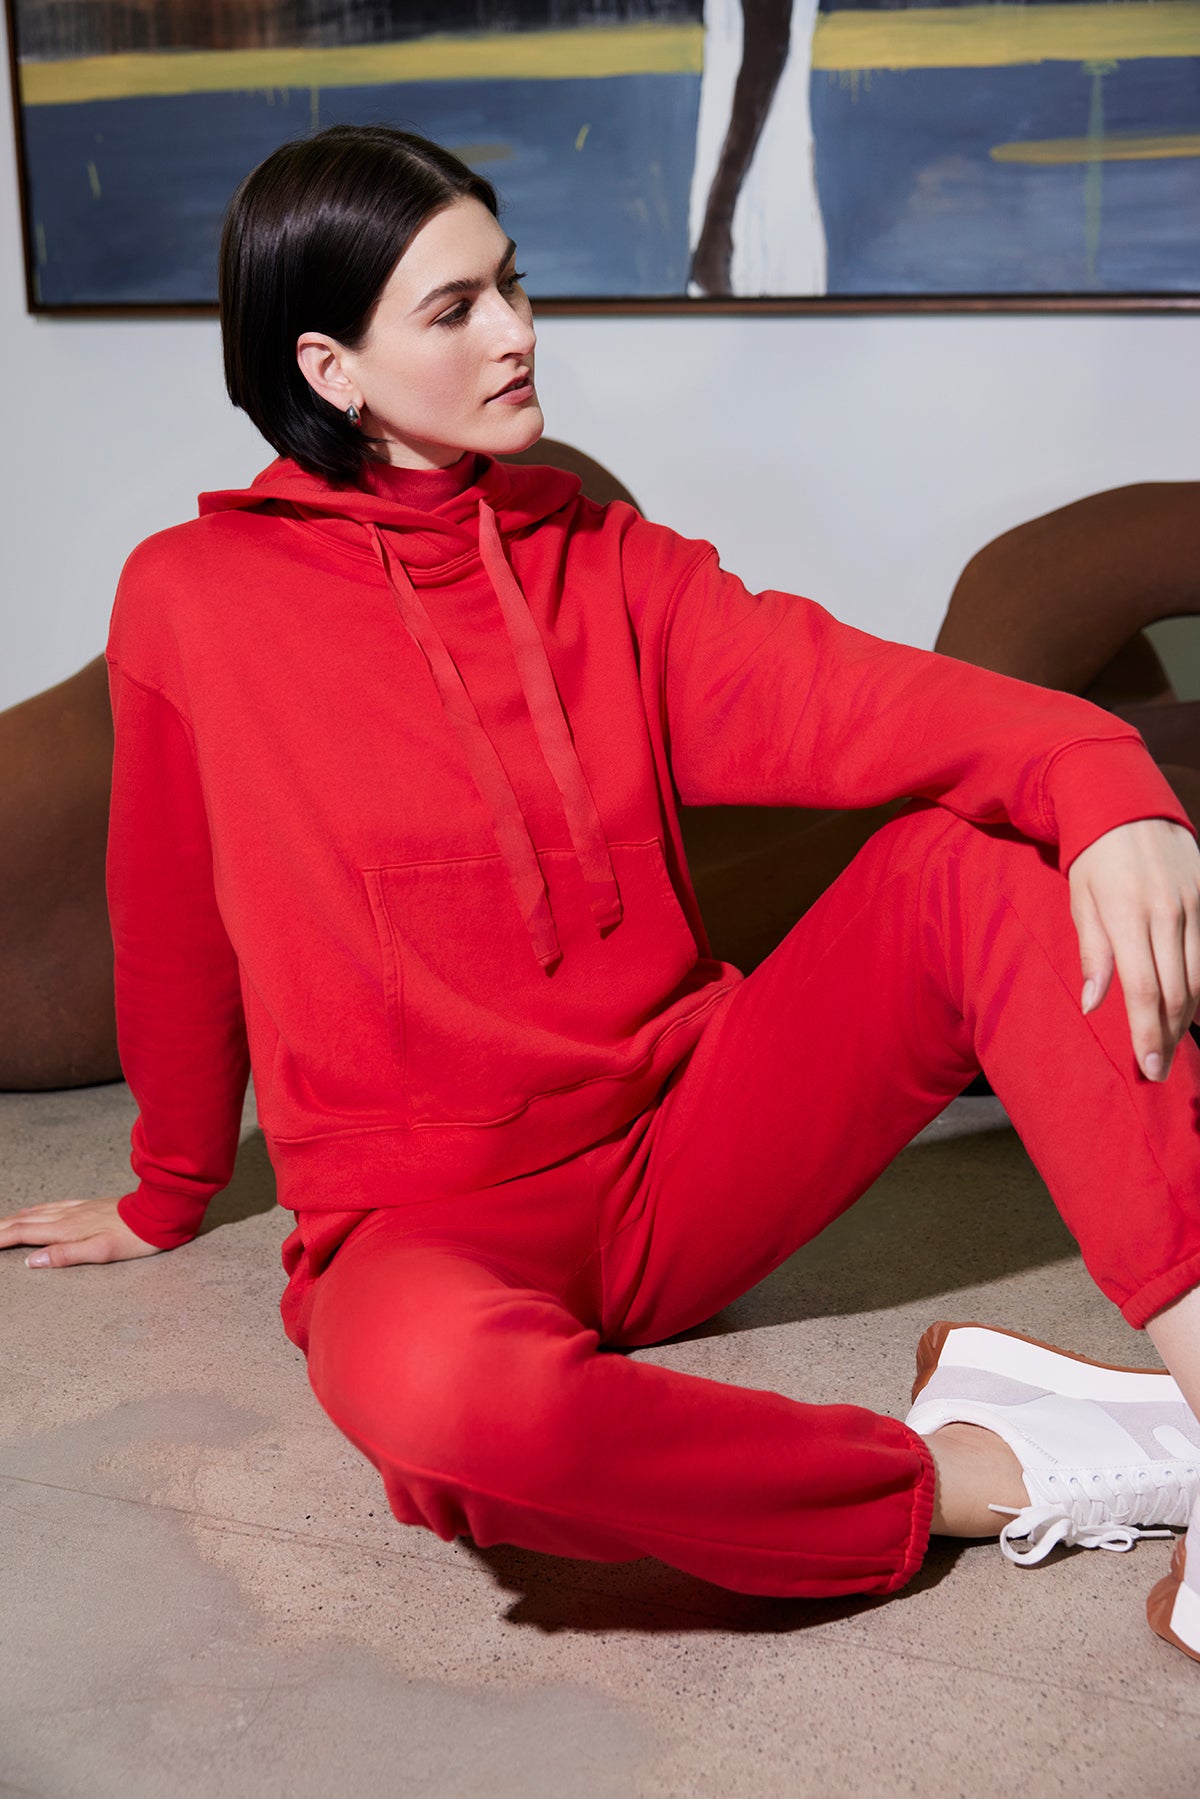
x=39, y=1259
x=1154, y=1067
x=1089, y=995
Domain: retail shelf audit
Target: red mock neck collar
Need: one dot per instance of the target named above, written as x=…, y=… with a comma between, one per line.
x=422, y=488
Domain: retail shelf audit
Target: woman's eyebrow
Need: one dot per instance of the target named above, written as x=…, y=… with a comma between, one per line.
x=468, y=284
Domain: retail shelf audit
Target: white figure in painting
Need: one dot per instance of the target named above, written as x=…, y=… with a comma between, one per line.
x=755, y=219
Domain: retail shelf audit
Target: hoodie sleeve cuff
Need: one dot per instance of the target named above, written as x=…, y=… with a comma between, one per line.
x=163, y=1219
x=1093, y=787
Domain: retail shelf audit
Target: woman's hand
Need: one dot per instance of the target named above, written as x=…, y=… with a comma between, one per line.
x=68, y=1231
x=1135, y=899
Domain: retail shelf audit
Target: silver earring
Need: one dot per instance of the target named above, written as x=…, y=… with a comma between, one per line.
x=352, y=415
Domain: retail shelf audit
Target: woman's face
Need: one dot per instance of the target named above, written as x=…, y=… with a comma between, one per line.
x=447, y=364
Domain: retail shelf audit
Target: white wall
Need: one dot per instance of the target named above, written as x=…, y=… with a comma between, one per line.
x=860, y=460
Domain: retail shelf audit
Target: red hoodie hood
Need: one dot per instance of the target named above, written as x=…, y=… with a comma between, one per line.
x=430, y=520
x=437, y=510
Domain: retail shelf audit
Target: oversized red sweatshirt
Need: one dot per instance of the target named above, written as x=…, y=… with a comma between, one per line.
x=394, y=816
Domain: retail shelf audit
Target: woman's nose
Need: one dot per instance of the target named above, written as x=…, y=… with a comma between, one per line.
x=514, y=328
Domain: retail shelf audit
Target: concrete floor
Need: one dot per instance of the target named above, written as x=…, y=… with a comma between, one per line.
x=205, y=1596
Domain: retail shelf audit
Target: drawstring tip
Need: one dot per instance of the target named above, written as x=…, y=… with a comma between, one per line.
x=608, y=914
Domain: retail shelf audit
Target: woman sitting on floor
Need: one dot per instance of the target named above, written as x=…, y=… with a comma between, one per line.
x=401, y=733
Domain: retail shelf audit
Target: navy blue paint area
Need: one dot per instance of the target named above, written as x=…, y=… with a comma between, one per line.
x=913, y=202
x=610, y=218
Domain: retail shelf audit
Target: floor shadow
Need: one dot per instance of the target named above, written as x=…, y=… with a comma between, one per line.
x=554, y=1593
x=250, y=1192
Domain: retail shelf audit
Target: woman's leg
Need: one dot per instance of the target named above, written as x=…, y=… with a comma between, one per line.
x=1175, y=1333
x=465, y=1357
x=476, y=1383
x=942, y=944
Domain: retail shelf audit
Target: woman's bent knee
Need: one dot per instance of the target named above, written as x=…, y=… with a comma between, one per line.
x=471, y=1385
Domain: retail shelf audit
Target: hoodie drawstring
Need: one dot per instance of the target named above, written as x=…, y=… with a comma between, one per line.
x=488, y=772
x=495, y=788
x=550, y=723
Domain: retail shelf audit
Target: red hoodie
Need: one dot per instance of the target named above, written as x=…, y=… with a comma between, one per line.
x=394, y=816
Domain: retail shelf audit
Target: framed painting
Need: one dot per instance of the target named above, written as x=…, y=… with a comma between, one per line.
x=653, y=155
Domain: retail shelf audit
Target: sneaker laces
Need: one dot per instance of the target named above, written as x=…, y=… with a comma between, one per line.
x=1037, y=1529
x=1096, y=1511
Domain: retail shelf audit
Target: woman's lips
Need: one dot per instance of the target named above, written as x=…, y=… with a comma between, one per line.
x=513, y=396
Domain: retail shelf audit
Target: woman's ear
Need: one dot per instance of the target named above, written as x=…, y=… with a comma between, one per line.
x=322, y=362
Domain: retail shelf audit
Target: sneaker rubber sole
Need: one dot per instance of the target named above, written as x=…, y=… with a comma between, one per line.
x=1173, y=1608
x=1041, y=1365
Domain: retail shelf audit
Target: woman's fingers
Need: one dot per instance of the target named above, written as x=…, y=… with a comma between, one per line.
x=103, y=1247
x=1145, y=1006
x=1191, y=949
x=53, y=1208
x=1138, y=888
x=1095, y=951
x=66, y=1232
x=32, y=1224
x=1168, y=939
x=1174, y=934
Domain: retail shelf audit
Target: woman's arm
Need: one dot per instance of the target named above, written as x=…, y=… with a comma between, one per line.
x=768, y=700
x=765, y=699
x=180, y=1027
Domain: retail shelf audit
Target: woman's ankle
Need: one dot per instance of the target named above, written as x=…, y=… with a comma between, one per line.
x=975, y=1469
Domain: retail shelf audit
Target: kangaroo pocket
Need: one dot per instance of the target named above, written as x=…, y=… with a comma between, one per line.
x=478, y=1028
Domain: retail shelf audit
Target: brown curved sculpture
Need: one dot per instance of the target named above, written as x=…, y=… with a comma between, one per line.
x=1064, y=601
x=599, y=483
x=1057, y=599
x=55, y=950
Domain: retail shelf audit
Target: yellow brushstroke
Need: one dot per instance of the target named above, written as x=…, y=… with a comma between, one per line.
x=477, y=153
x=581, y=136
x=1056, y=150
x=94, y=180
x=976, y=37
x=593, y=51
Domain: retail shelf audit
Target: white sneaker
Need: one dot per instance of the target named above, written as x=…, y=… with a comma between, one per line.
x=1173, y=1607
x=1106, y=1453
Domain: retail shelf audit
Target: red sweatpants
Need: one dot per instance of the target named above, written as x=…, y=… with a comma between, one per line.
x=461, y=1343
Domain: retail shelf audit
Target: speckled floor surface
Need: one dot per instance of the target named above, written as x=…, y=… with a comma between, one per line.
x=205, y=1596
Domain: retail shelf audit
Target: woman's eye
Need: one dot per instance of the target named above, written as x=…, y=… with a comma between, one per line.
x=458, y=314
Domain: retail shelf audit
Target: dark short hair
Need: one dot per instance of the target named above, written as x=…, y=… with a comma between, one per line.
x=309, y=241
